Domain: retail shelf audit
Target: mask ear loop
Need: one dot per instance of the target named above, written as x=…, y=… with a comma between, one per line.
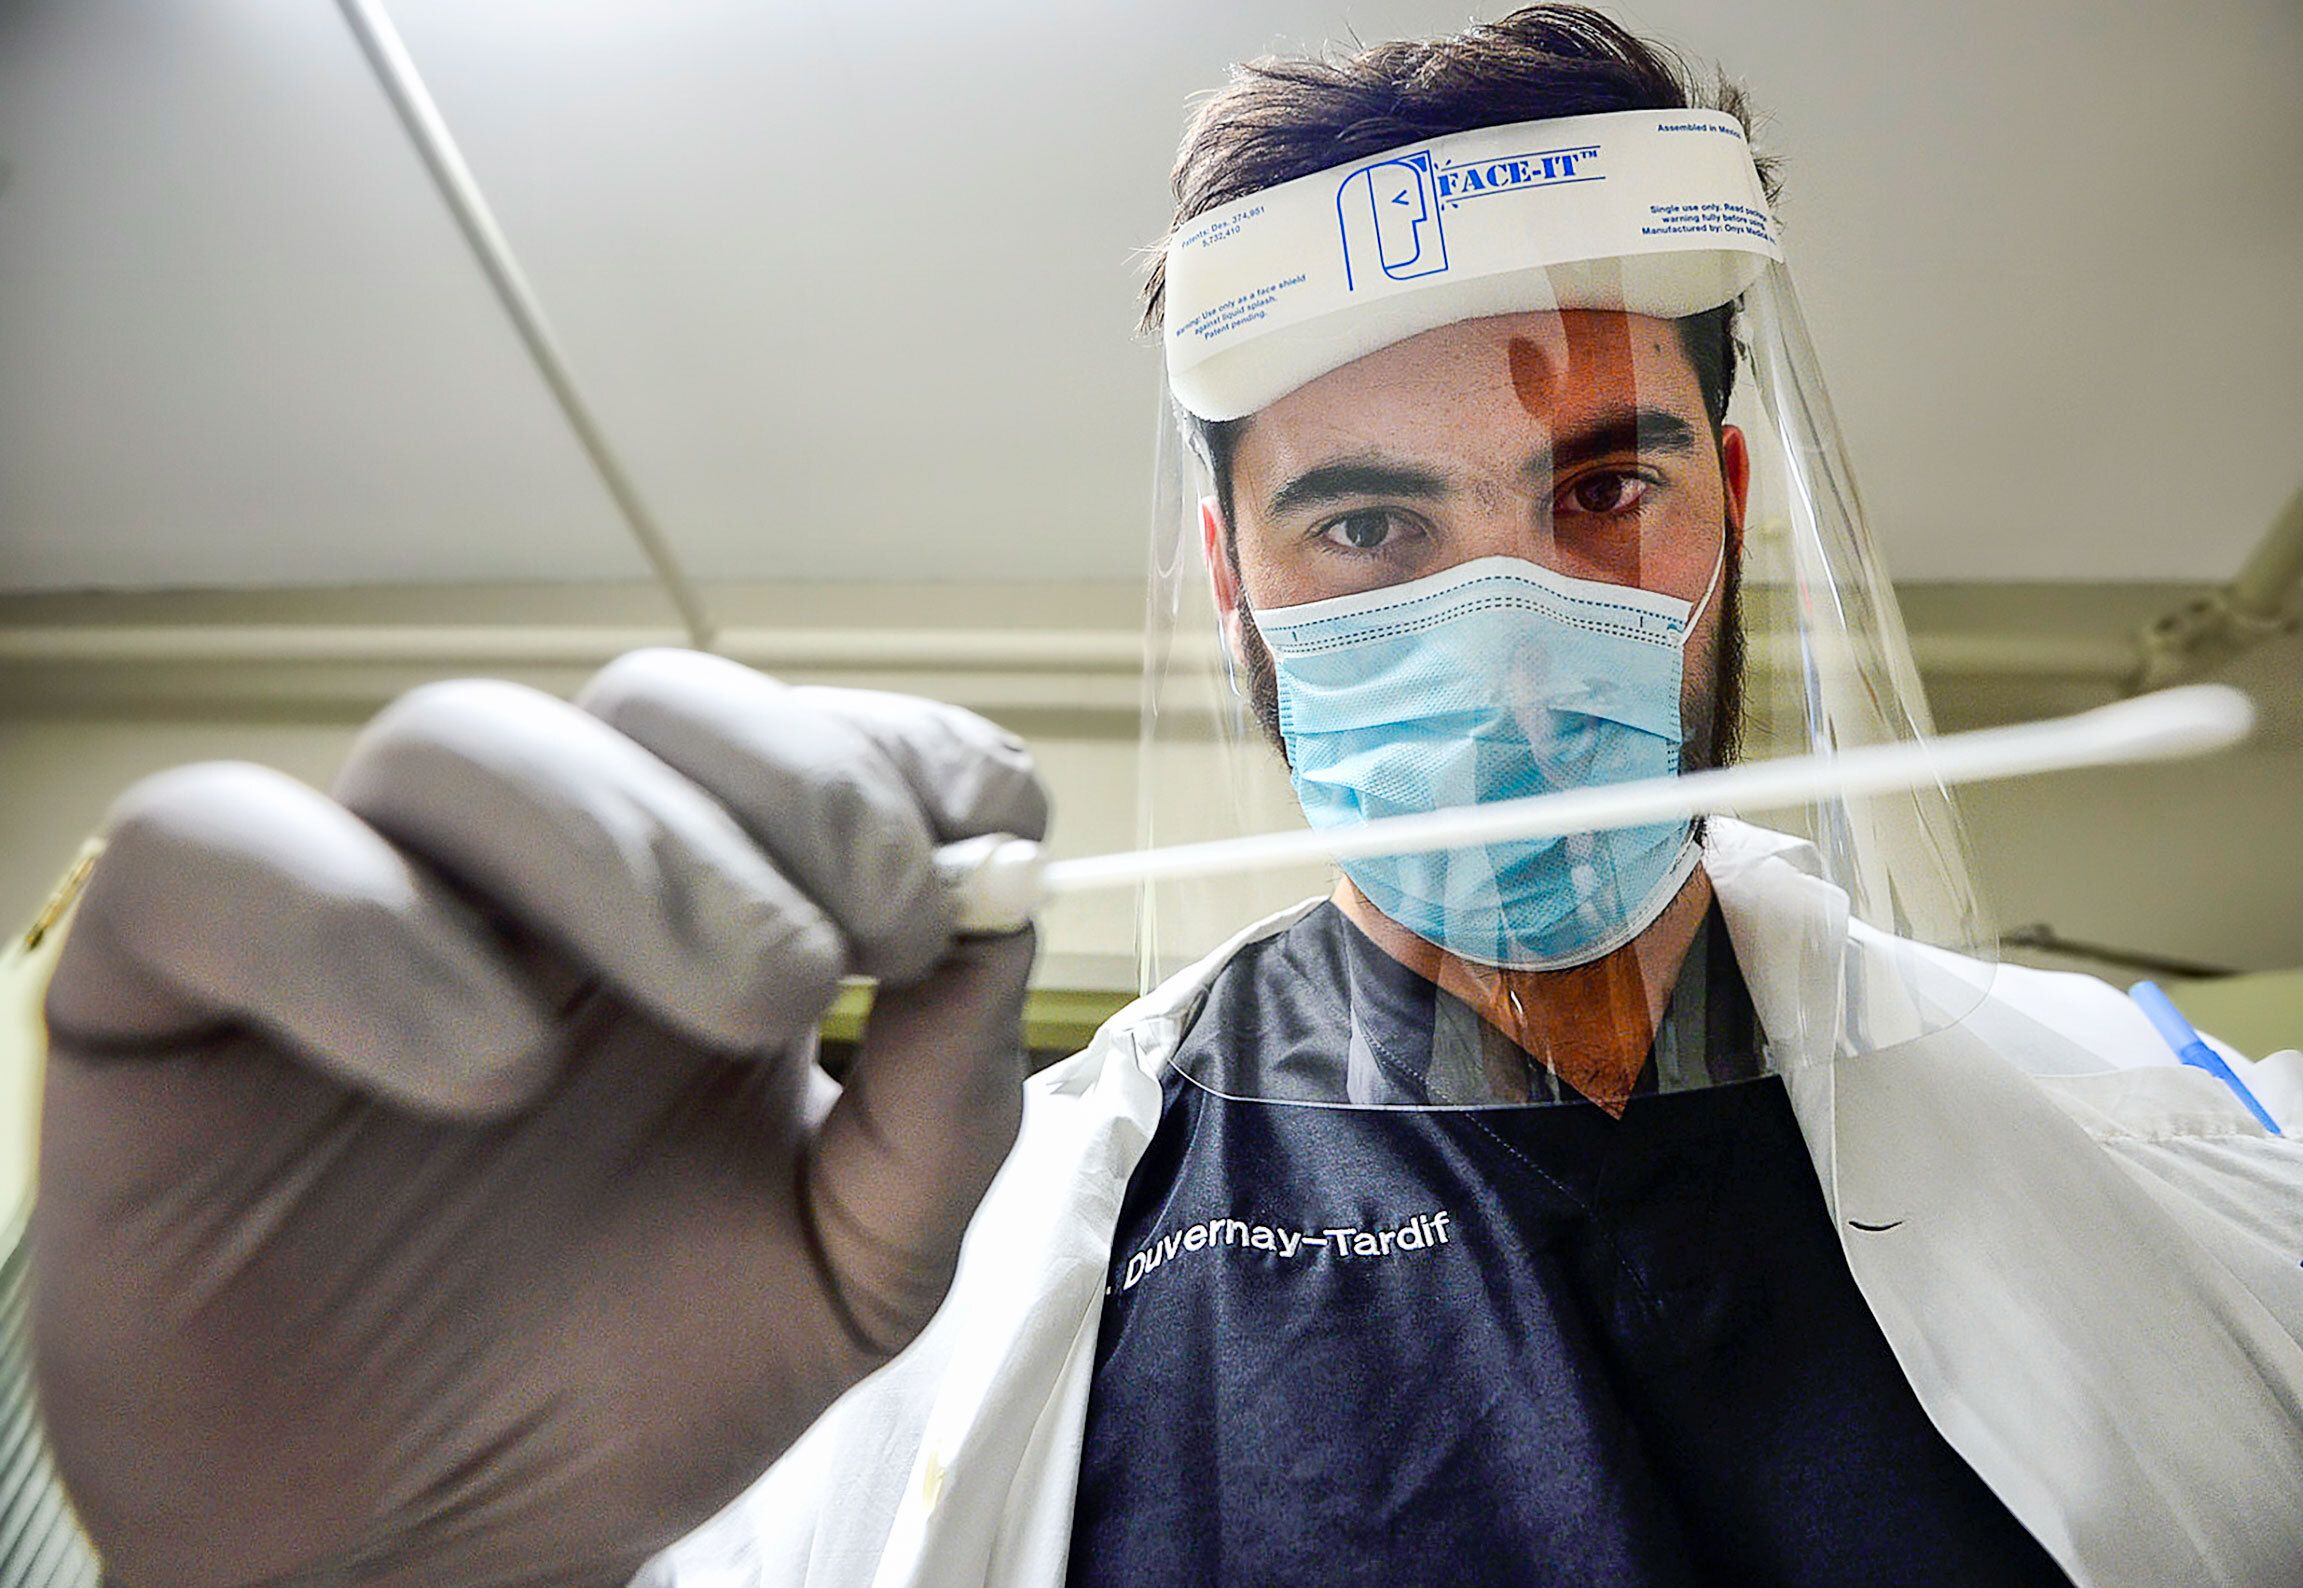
x=1703, y=602
x=1235, y=663
x=1698, y=830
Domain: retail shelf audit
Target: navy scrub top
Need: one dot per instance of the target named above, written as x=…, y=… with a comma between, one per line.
x=1504, y=1345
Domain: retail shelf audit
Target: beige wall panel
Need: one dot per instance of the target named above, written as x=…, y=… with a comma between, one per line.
x=2202, y=861
x=60, y=775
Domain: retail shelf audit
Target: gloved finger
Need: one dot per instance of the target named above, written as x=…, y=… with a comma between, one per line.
x=970, y=775
x=930, y=1109
x=233, y=894
x=599, y=848
x=818, y=792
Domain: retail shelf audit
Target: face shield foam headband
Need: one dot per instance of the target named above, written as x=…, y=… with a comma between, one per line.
x=1651, y=212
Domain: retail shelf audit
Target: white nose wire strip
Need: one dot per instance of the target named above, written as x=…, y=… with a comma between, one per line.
x=396, y=72
x=1001, y=881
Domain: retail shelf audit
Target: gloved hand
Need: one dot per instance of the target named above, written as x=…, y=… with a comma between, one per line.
x=436, y=1188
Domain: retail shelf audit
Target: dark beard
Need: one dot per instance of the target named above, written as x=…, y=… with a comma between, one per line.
x=1711, y=736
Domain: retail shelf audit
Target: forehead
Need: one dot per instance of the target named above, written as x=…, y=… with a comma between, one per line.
x=1480, y=384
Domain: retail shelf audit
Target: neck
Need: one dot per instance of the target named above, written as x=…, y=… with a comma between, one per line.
x=1590, y=1025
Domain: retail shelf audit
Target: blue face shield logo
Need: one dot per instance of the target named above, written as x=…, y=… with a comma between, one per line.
x=1389, y=217
x=1492, y=680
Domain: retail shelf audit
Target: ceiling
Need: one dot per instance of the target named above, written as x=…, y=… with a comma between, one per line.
x=852, y=285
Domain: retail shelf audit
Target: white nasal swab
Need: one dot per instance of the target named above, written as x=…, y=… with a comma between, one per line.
x=1001, y=880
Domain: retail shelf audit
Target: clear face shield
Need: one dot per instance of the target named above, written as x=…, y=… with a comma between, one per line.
x=1493, y=471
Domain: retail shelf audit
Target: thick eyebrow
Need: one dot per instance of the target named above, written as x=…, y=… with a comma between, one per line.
x=1648, y=432
x=1349, y=478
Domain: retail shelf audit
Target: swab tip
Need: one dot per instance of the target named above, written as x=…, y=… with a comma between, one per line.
x=2191, y=719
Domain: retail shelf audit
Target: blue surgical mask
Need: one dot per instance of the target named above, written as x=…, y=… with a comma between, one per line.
x=1490, y=681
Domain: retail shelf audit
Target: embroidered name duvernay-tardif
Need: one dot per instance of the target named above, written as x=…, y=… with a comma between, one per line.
x=1421, y=1232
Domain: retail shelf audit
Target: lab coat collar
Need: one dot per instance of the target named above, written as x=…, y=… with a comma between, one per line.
x=1788, y=924
x=1790, y=930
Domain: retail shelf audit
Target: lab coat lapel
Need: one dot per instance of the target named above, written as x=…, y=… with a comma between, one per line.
x=2063, y=1333
x=989, y=1497
x=1789, y=928
x=2126, y=1397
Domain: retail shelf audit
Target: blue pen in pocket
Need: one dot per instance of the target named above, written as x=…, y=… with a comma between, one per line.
x=2192, y=1048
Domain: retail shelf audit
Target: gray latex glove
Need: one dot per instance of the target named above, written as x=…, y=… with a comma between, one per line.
x=436, y=1188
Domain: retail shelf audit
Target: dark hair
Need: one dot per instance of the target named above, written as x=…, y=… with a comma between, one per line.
x=1277, y=120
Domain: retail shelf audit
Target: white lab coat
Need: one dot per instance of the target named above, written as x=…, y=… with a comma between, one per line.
x=2085, y=1257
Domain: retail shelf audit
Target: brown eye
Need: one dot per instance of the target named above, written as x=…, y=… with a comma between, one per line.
x=1613, y=491
x=1368, y=530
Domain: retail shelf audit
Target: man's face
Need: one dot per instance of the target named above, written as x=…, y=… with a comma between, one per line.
x=1576, y=440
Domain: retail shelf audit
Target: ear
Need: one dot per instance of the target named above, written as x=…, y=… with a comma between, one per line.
x=1223, y=578
x=1735, y=467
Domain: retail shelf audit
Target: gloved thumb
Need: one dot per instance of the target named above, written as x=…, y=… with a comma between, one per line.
x=929, y=1112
